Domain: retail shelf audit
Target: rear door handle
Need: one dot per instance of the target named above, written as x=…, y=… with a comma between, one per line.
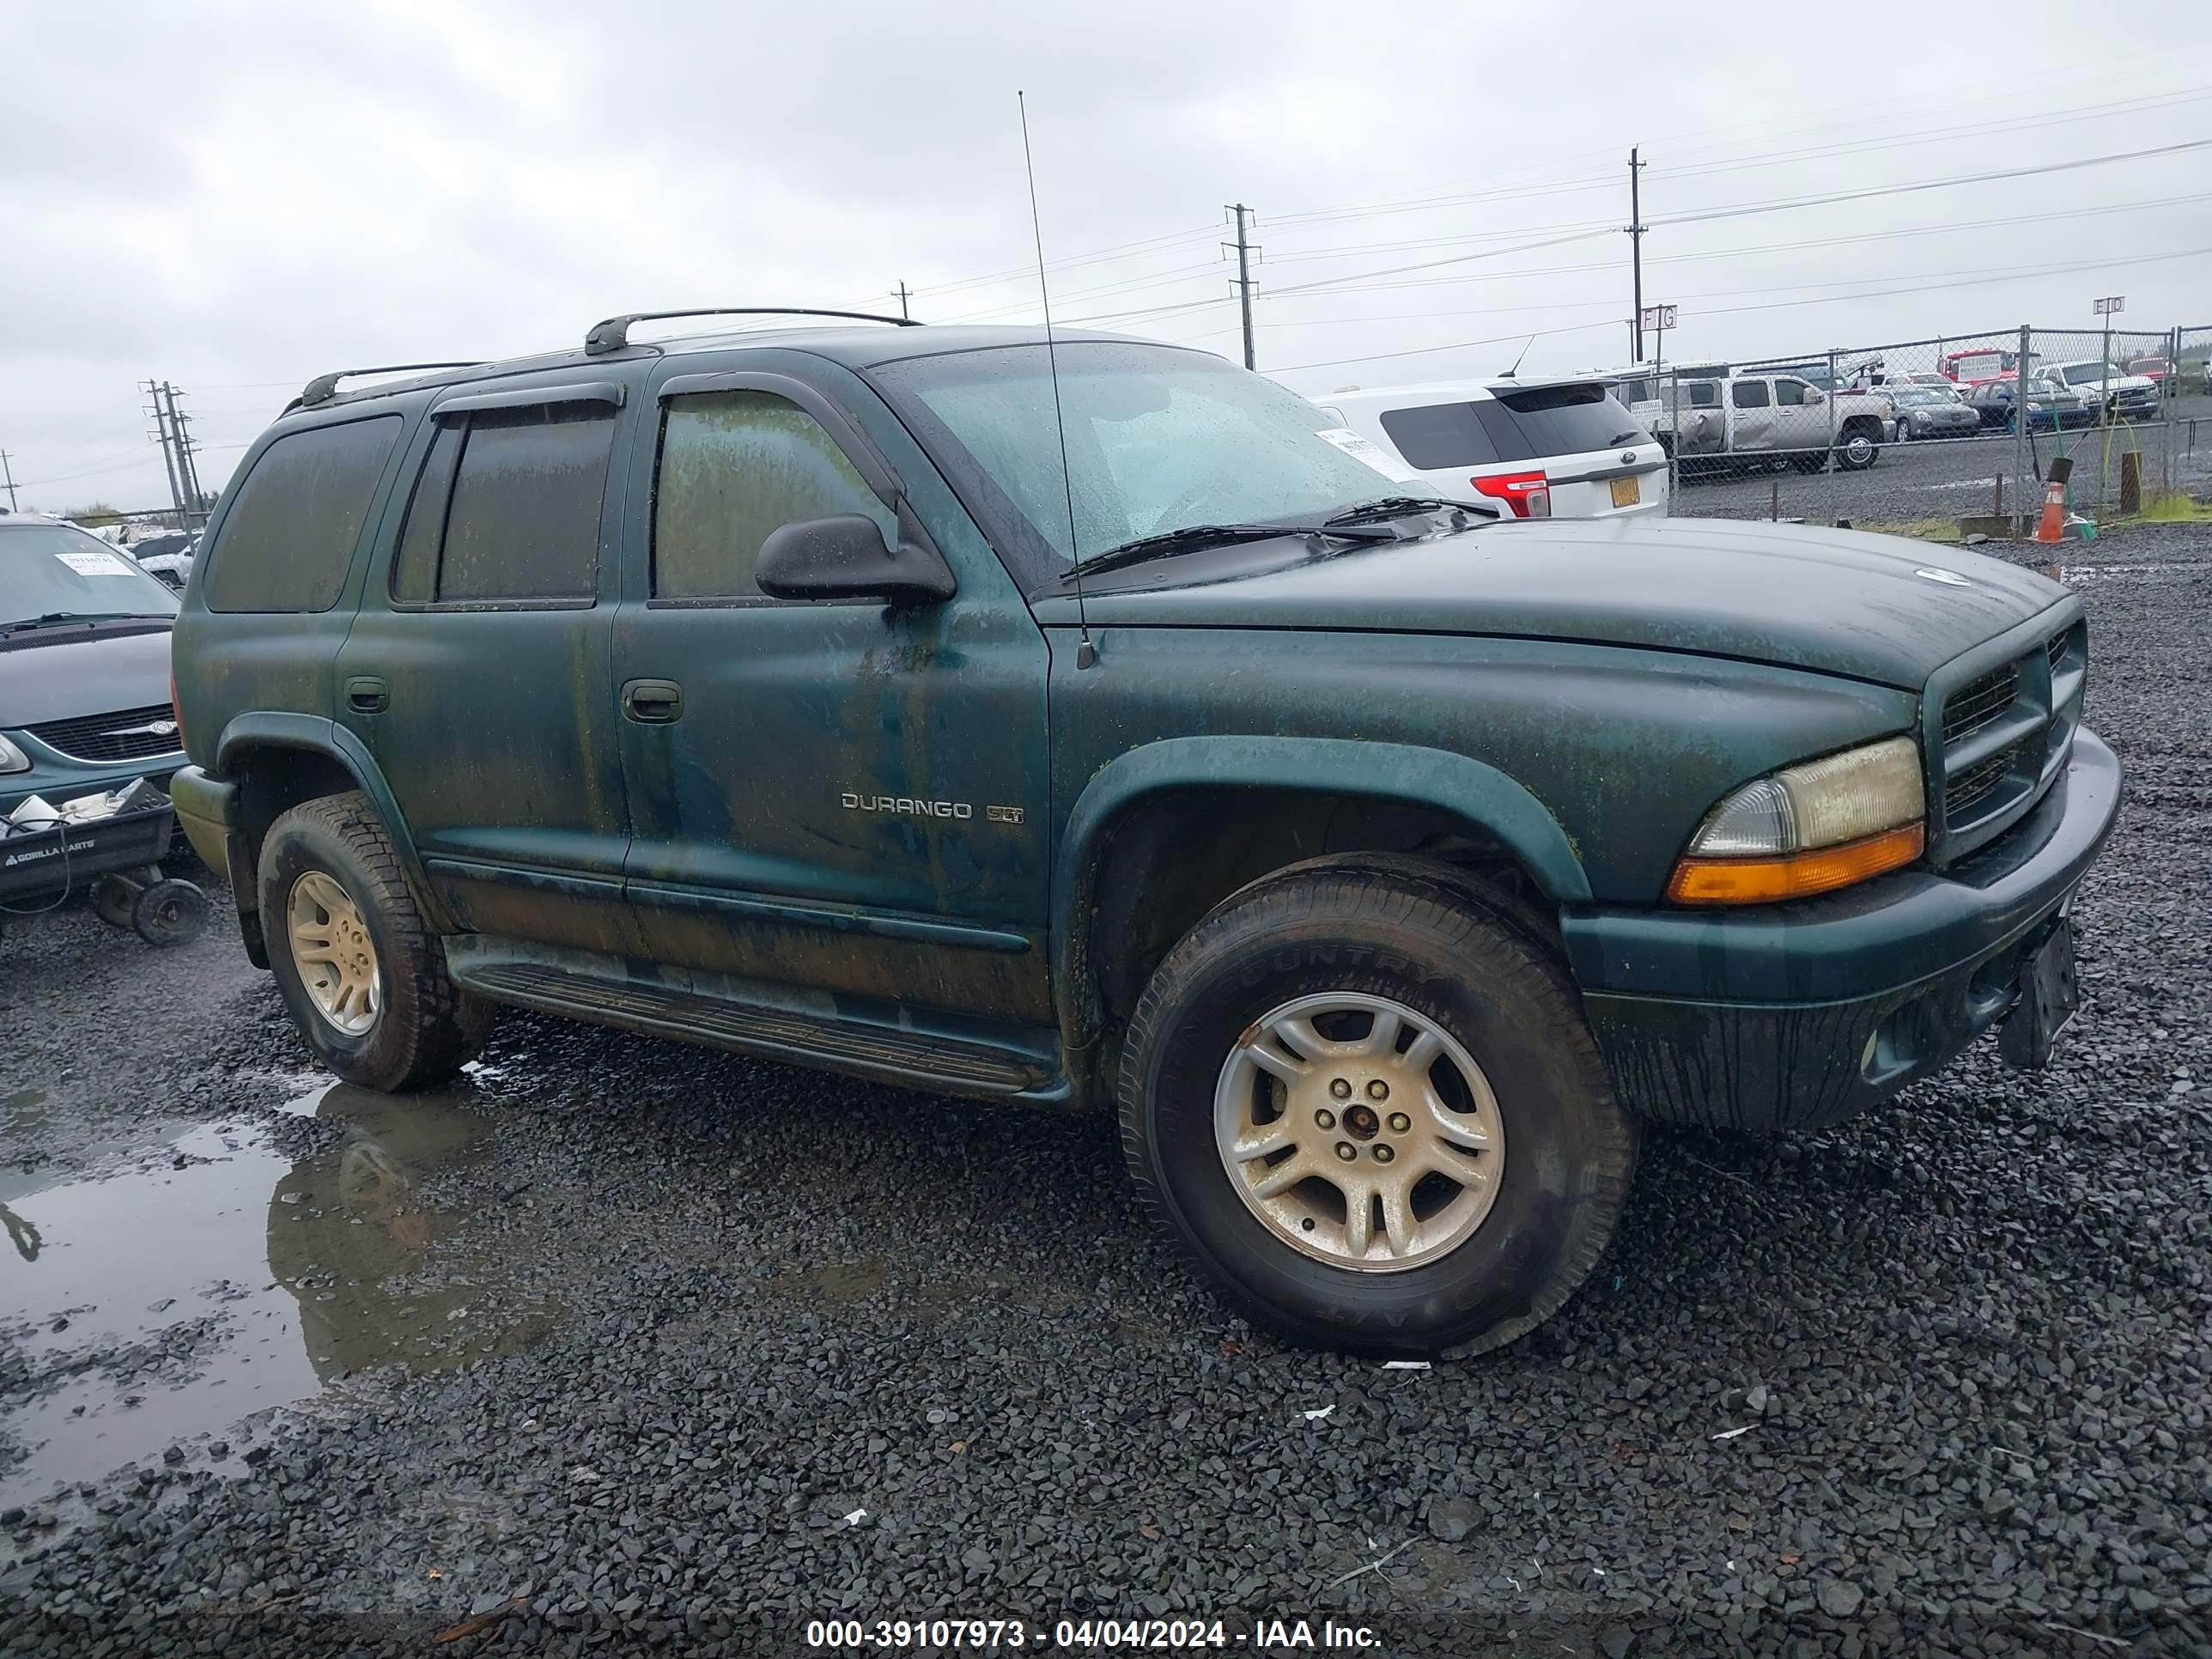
x=653, y=702
x=365, y=694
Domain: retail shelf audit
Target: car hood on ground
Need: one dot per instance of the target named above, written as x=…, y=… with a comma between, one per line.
x=59, y=673
x=1835, y=601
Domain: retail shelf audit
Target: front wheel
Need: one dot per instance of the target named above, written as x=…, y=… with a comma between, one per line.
x=1369, y=1109
x=361, y=971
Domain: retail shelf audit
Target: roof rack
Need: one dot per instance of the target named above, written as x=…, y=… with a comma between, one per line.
x=613, y=334
x=324, y=387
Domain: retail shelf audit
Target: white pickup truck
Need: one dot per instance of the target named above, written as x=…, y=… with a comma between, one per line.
x=1777, y=416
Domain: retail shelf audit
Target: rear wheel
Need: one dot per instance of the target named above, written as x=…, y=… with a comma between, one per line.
x=1369, y=1108
x=113, y=898
x=362, y=972
x=1856, y=447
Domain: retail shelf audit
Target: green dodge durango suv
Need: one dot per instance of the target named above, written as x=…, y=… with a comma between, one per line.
x=1089, y=723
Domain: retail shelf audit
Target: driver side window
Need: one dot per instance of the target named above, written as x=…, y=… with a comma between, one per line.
x=1791, y=393
x=736, y=466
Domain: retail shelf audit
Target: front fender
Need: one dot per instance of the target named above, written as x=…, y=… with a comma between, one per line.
x=1401, y=774
x=264, y=729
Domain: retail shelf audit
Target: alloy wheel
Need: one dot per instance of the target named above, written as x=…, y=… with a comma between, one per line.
x=333, y=953
x=1359, y=1132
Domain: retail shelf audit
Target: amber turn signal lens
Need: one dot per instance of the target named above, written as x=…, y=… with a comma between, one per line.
x=1763, y=881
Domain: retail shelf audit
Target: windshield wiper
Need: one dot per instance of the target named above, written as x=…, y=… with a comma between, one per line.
x=1400, y=507
x=1628, y=437
x=1193, y=536
x=51, y=617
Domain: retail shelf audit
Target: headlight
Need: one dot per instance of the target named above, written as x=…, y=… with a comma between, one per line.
x=1809, y=828
x=13, y=759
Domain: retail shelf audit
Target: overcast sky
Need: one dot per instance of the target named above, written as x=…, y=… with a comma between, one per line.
x=234, y=197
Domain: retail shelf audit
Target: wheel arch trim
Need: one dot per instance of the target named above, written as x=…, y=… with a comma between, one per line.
x=316, y=735
x=1393, y=774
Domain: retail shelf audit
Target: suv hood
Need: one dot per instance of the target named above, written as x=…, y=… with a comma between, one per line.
x=1834, y=601
x=60, y=673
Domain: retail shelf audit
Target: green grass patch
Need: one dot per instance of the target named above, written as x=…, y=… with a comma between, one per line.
x=2175, y=507
x=1921, y=530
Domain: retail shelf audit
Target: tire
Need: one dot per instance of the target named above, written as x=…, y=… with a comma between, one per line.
x=414, y=1026
x=112, y=899
x=1856, y=448
x=1400, y=935
x=170, y=913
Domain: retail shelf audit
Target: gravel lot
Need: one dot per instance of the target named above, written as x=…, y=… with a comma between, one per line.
x=683, y=1350
x=1945, y=478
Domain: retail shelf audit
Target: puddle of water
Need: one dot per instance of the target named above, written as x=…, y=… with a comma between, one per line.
x=24, y=1112
x=835, y=1284
x=165, y=1302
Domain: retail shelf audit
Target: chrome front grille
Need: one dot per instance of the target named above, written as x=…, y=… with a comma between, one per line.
x=2004, y=736
x=124, y=734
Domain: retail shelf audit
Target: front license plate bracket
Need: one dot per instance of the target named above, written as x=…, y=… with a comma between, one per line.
x=2049, y=994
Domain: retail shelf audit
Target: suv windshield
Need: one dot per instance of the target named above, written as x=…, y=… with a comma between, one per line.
x=2091, y=373
x=1157, y=439
x=58, y=572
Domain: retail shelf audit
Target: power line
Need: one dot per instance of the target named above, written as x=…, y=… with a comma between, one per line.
x=2004, y=274
x=1951, y=228
x=1747, y=209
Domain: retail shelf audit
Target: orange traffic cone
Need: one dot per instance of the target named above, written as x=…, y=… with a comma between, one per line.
x=2051, y=527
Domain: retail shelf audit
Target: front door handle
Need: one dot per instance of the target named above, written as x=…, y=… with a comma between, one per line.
x=365, y=694
x=653, y=702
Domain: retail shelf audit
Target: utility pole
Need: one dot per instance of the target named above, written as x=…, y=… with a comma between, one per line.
x=902, y=294
x=153, y=389
x=188, y=471
x=1636, y=229
x=9, y=473
x=1245, y=249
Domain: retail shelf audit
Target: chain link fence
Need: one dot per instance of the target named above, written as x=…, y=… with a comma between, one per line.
x=1938, y=436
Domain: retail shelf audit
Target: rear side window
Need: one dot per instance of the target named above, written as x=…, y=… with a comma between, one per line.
x=1749, y=394
x=736, y=466
x=290, y=535
x=1705, y=394
x=1511, y=426
x=1437, y=435
x=507, y=510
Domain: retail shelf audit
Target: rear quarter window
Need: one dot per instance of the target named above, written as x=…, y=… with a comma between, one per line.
x=289, y=534
x=1533, y=424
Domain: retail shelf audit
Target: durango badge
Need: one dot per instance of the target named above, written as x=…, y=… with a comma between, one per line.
x=905, y=805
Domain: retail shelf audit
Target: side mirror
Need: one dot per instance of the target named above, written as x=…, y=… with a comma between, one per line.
x=1815, y=397
x=844, y=557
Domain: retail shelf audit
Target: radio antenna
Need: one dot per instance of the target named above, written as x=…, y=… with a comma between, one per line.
x=1085, y=653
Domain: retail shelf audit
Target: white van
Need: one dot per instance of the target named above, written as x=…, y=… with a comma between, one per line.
x=1536, y=449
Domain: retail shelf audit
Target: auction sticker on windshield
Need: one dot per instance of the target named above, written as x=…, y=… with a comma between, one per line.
x=1363, y=449
x=95, y=564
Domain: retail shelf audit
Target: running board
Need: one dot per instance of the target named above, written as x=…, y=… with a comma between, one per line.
x=886, y=1052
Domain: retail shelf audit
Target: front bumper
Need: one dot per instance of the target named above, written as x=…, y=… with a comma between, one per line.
x=57, y=777
x=1796, y=1016
x=206, y=810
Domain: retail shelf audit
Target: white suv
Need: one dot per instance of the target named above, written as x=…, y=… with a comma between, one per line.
x=1532, y=449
